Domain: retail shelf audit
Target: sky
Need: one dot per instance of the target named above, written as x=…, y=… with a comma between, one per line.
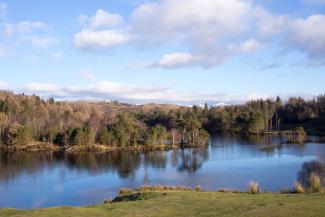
x=163, y=51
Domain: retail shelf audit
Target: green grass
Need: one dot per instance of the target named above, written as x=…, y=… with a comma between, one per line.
x=194, y=204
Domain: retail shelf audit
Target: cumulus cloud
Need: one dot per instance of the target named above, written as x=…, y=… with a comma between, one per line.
x=98, y=33
x=189, y=20
x=208, y=57
x=175, y=60
x=212, y=31
x=35, y=32
x=99, y=40
x=309, y=34
x=250, y=46
x=212, y=37
x=104, y=19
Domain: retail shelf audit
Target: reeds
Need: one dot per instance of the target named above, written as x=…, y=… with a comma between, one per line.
x=253, y=187
x=315, y=184
x=299, y=189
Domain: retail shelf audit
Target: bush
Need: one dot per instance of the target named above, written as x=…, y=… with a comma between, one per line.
x=253, y=187
x=299, y=188
x=307, y=169
x=198, y=188
x=315, y=185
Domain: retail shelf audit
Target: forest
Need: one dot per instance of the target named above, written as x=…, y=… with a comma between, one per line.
x=27, y=119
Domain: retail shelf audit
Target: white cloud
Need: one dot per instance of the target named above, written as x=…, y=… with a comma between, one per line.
x=105, y=19
x=97, y=33
x=250, y=46
x=176, y=60
x=209, y=57
x=268, y=24
x=211, y=29
x=99, y=40
x=196, y=21
x=107, y=90
x=29, y=27
x=309, y=34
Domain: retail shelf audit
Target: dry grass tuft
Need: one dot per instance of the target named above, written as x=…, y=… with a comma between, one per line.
x=315, y=184
x=299, y=189
x=253, y=187
x=198, y=188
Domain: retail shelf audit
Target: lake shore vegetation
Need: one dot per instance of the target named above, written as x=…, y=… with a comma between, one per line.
x=30, y=123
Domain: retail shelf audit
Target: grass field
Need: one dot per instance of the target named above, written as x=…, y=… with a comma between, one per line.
x=194, y=204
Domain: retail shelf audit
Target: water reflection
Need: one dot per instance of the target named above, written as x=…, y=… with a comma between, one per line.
x=124, y=164
x=191, y=160
x=87, y=178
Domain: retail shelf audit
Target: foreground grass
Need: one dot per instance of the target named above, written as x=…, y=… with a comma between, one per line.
x=194, y=204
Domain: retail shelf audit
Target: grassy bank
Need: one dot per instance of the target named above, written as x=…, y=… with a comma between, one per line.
x=194, y=204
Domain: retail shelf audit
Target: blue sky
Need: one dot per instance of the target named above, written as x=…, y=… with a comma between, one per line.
x=166, y=51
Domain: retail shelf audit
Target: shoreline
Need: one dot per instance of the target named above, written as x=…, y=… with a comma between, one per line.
x=185, y=202
x=45, y=147
x=97, y=148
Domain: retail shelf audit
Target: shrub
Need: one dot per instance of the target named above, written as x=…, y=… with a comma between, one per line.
x=307, y=169
x=299, y=188
x=315, y=185
x=198, y=188
x=253, y=187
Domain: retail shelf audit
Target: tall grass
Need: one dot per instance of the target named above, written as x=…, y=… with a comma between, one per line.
x=315, y=184
x=299, y=188
x=198, y=188
x=253, y=187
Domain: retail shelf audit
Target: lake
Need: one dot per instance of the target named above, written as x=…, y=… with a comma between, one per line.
x=33, y=180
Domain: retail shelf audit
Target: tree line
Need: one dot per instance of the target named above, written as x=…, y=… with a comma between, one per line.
x=25, y=119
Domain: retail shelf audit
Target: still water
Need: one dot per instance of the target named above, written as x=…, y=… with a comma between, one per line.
x=33, y=180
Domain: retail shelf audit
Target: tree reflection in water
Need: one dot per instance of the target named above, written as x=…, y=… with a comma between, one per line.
x=192, y=159
x=125, y=164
